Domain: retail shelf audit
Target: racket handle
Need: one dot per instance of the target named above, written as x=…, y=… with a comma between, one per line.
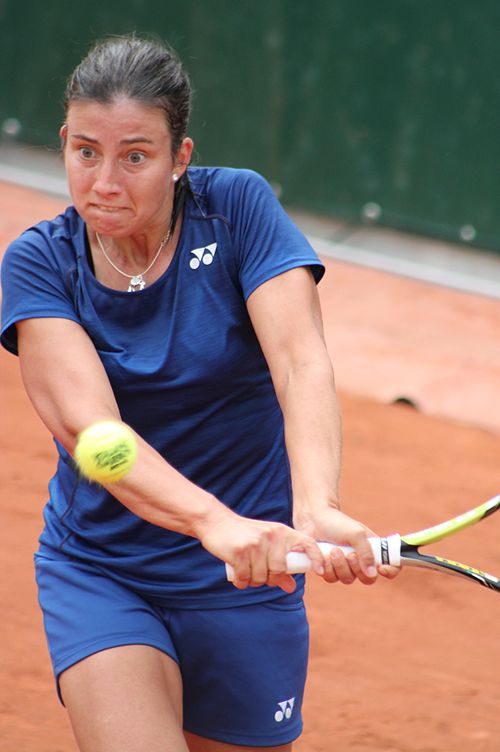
x=385, y=550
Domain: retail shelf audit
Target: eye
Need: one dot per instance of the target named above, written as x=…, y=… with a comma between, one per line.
x=136, y=157
x=86, y=152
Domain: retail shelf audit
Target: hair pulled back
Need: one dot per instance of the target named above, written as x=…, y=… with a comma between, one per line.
x=138, y=69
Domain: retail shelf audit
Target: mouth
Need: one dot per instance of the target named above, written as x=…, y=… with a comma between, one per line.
x=108, y=209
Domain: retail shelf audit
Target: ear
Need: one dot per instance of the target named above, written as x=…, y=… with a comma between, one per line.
x=63, y=133
x=184, y=156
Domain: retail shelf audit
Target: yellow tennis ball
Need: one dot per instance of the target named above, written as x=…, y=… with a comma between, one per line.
x=106, y=451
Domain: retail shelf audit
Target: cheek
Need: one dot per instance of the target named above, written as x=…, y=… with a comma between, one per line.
x=77, y=177
x=80, y=187
x=155, y=192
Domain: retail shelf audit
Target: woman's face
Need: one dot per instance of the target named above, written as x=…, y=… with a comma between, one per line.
x=120, y=167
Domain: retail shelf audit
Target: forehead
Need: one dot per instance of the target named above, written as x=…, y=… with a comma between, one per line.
x=119, y=116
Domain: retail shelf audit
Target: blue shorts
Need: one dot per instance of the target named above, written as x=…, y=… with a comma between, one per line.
x=243, y=669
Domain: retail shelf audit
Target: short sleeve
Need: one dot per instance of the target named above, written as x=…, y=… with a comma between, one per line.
x=35, y=277
x=267, y=242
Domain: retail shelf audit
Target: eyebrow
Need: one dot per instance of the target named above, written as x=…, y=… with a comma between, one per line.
x=125, y=141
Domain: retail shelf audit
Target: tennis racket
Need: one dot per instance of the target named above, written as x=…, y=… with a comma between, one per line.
x=401, y=550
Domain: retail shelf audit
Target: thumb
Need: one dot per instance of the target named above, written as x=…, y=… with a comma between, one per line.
x=366, y=557
x=309, y=546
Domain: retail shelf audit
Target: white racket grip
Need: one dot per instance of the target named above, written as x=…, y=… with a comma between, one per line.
x=385, y=550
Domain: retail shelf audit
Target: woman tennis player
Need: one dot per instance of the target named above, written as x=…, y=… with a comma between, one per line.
x=182, y=301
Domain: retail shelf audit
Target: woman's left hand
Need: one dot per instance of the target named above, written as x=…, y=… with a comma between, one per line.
x=334, y=526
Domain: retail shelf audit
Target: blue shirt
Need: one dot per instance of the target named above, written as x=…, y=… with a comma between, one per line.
x=187, y=372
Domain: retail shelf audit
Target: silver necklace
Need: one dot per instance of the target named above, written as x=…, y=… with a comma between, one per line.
x=136, y=280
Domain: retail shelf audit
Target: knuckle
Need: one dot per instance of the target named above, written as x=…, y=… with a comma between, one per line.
x=252, y=546
x=330, y=577
x=239, y=585
x=277, y=533
x=347, y=579
x=360, y=538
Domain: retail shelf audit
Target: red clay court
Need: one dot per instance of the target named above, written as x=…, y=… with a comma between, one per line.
x=408, y=666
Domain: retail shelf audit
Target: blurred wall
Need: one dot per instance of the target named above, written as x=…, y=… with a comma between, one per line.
x=382, y=110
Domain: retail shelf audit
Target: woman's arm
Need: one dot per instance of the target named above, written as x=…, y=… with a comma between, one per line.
x=69, y=388
x=286, y=315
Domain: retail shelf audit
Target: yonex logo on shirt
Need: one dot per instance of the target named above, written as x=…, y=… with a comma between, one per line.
x=203, y=255
x=285, y=711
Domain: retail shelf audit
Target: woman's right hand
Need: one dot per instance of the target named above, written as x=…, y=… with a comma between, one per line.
x=257, y=550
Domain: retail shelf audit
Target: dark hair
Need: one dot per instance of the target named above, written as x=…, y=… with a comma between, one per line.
x=139, y=69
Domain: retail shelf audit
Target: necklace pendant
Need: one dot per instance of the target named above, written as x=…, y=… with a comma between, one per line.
x=136, y=283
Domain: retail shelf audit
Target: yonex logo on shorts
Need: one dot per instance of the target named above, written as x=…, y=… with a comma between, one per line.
x=203, y=255
x=285, y=711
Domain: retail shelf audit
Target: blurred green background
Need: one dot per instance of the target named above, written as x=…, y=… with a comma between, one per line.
x=383, y=110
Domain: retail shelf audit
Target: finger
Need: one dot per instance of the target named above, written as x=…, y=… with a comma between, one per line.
x=277, y=566
x=356, y=568
x=242, y=572
x=365, y=557
x=341, y=567
x=389, y=572
x=276, y=556
x=269, y=556
x=259, y=569
x=309, y=546
x=330, y=574
x=239, y=584
x=259, y=553
x=284, y=581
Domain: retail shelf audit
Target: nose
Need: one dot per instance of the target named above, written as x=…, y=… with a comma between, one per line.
x=107, y=180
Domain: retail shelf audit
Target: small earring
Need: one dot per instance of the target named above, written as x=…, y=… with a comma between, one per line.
x=175, y=178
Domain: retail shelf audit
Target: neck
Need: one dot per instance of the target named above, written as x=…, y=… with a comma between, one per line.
x=136, y=278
